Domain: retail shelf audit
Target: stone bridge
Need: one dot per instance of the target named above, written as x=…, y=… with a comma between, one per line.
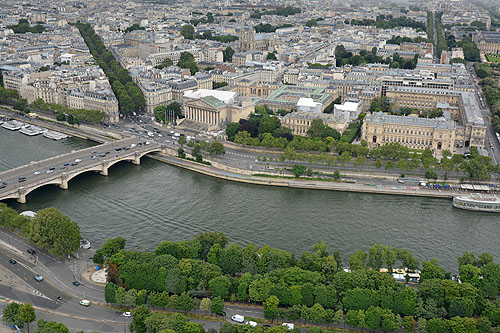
x=61, y=169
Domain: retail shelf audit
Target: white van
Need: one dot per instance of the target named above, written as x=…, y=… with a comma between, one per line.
x=238, y=318
x=288, y=325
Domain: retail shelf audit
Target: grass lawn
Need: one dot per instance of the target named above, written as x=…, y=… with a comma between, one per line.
x=493, y=57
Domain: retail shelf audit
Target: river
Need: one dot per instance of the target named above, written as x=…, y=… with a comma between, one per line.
x=154, y=201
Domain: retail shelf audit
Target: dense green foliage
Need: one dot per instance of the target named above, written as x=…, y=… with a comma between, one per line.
x=280, y=11
x=187, y=31
x=49, y=229
x=313, y=287
x=187, y=60
x=165, y=63
x=270, y=28
x=172, y=111
x=217, y=85
x=23, y=27
x=130, y=97
x=80, y=115
x=388, y=22
x=489, y=74
x=220, y=38
x=430, y=26
x=398, y=40
x=441, y=43
x=133, y=27
x=228, y=54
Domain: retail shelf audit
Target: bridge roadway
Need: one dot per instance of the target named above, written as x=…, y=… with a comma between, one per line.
x=59, y=170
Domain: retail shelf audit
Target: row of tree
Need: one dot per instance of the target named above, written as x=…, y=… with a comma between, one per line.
x=388, y=22
x=21, y=314
x=489, y=83
x=71, y=115
x=129, y=95
x=49, y=229
x=313, y=287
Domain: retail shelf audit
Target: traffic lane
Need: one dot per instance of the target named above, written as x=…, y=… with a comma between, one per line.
x=23, y=271
x=86, y=162
x=57, y=162
x=8, y=292
x=76, y=325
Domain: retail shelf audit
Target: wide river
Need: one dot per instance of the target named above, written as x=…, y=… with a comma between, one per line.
x=155, y=201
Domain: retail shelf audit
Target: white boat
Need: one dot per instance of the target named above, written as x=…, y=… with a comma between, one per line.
x=478, y=202
x=55, y=135
x=84, y=244
x=12, y=125
x=31, y=130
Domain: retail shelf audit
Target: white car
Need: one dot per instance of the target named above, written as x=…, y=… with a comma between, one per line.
x=251, y=323
x=127, y=314
x=84, y=302
x=50, y=171
x=36, y=172
x=238, y=318
x=78, y=160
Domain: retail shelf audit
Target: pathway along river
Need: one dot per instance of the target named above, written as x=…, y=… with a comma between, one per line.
x=155, y=201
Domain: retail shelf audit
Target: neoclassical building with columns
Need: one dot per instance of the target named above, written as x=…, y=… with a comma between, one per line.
x=212, y=109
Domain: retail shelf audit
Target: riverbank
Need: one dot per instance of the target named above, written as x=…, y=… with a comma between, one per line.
x=225, y=172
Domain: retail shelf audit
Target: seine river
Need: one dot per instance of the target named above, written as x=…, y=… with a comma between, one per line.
x=154, y=201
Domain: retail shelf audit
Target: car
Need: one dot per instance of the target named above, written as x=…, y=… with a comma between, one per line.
x=66, y=164
x=76, y=283
x=38, y=277
x=2, y=186
x=84, y=302
x=126, y=148
x=52, y=168
x=50, y=171
x=127, y=314
x=118, y=149
x=31, y=251
x=36, y=173
x=13, y=261
x=147, y=142
x=63, y=167
x=78, y=160
x=94, y=151
x=288, y=326
x=251, y=323
x=22, y=179
x=106, y=153
x=238, y=318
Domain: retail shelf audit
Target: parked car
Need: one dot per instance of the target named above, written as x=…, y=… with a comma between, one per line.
x=31, y=251
x=127, y=314
x=13, y=261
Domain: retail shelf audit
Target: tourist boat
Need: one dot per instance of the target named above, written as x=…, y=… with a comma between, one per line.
x=478, y=202
x=12, y=125
x=31, y=130
x=54, y=135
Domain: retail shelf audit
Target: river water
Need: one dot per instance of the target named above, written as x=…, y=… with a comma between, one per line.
x=155, y=201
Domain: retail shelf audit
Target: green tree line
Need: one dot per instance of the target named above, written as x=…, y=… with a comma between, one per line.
x=49, y=229
x=130, y=97
x=314, y=287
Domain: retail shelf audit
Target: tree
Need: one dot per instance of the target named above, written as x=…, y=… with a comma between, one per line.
x=378, y=163
x=220, y=286
x=187, y=31
x=44, y=326
x=436, y=325
x=373, y=317
x=20, y=105
x=216, y=148
x=205, y=304
x=228, y=54
x=26, y=314
x=108, y=248
x=182, y=140
x=181, y=153
x=271, y=307
x=217, y=305
x=10, y=315
x=109, y=292
x=298, y=170
x=231, y=130
x=53, y=231
x=139, y=315
x=431, y=270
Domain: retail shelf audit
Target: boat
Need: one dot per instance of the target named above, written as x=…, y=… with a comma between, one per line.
x=478, y=202
x=84, y=244
x=55, y=135
x=31, y=130
x=12, y=125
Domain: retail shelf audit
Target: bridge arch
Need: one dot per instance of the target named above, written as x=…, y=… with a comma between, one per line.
x=56, y=181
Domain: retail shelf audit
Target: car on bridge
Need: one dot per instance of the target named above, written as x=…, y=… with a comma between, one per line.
x=21, y=179
x=36, y=173
x=50, y=171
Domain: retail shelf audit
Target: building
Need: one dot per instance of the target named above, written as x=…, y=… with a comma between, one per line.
x=212, y=109
x=487, y=41
x=286, y=97
x=102, y=100
x=349, y=111
x=155, y=93
x=300, y=122
x=248, y=40
x=308, y=105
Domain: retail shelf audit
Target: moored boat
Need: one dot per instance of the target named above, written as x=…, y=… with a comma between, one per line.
x=12, y=125
x=478, y=202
